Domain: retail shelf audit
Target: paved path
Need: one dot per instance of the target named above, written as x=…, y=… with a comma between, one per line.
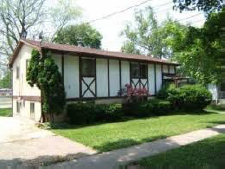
x=22, y=143
x=111, y=160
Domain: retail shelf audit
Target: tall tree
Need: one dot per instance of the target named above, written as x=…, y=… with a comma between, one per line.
x=27, y=18
x=145, y=36
x=82, y=34
x=206, y=6
x=200, y=49
x=17, y=17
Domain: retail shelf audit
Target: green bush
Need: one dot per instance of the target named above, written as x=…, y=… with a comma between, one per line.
x=188, y=97
x=148, y=108
x=89, y=113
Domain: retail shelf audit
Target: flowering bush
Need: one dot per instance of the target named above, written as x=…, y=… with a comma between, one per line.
x=136, y=94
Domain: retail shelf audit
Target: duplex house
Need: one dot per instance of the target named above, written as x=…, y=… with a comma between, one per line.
x=88, y=74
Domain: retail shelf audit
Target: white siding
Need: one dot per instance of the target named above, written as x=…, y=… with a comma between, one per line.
x=102, y=77
x=114, y=77
x=172, y=69
x=125, y=73
x=22, y=88
x=165, y=69
x=71, y=76
x=151, y=79
x=158, y=77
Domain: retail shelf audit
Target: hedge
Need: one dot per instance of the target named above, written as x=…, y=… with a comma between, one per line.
x=187, y=97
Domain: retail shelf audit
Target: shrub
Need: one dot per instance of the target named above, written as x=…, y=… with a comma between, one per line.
x=147, y=108
x=89, y=113
x=189, y=97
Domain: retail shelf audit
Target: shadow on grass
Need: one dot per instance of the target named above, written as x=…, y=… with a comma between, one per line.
x=62, y=126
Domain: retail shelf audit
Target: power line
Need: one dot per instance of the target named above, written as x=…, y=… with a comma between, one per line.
x=189, y=17
x=124, y=10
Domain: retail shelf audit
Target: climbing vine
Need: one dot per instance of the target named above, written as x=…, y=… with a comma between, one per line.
x=43, y=72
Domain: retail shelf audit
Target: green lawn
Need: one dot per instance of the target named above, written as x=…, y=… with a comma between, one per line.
x=106, y=137
x=209, y=153
x=5, y=112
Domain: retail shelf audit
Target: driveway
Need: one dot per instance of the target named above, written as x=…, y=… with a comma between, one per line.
x=22, y=143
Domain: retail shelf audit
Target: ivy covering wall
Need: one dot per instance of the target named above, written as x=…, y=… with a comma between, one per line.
x=43, y=72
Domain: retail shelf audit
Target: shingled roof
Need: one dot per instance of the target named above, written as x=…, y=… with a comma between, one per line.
x=85, y=51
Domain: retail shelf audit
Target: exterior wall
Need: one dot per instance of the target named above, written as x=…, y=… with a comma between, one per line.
x=71, y=76
x=158, y=77
x=102, y=77
x=125, y=73
x=151, y=79
x=114, y=77
x=22, y=88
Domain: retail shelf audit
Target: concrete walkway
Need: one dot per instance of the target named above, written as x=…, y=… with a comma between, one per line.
x=112, y=160
x=23, y=144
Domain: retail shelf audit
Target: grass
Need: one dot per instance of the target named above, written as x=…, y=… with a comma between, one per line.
x=215, y=108
x=106, y=137
x=209, y=153
x=6, y=112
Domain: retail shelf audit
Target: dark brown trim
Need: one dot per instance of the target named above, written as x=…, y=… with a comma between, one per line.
x=108, y=78
x=80, y=80
x=92, y=98
x=162, y=75
x=63, y=69
x=120, y=77
x=111, y=57
x=155, y=79
x=96, y=93
x=29, y=98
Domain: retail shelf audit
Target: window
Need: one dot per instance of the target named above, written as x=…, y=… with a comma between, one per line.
x=17, y=107
x=27, y=64
x=32, y=109
x=17, y=72
x=139, y=70
x=87, y=67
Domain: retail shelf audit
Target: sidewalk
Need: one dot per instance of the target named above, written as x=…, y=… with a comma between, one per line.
x=113, y=159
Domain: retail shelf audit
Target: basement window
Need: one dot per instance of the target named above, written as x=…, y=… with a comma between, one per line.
x=17, y=72
x=32, y=108
x=17, y=107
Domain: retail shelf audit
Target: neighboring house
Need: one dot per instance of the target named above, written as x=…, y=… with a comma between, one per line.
x=88, y=74
x=218, y=91
x=5, y=92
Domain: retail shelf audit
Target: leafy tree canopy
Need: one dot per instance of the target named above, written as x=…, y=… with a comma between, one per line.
x=146, y=36
x=82, y=34
x=200, y=49
x=207, y=6
x=6, y=81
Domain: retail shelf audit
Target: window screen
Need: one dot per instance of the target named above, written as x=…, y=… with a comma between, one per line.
x=17, y=107
x=32, y=108
x=17, y=72
x=139, y=70
x=87, y=67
